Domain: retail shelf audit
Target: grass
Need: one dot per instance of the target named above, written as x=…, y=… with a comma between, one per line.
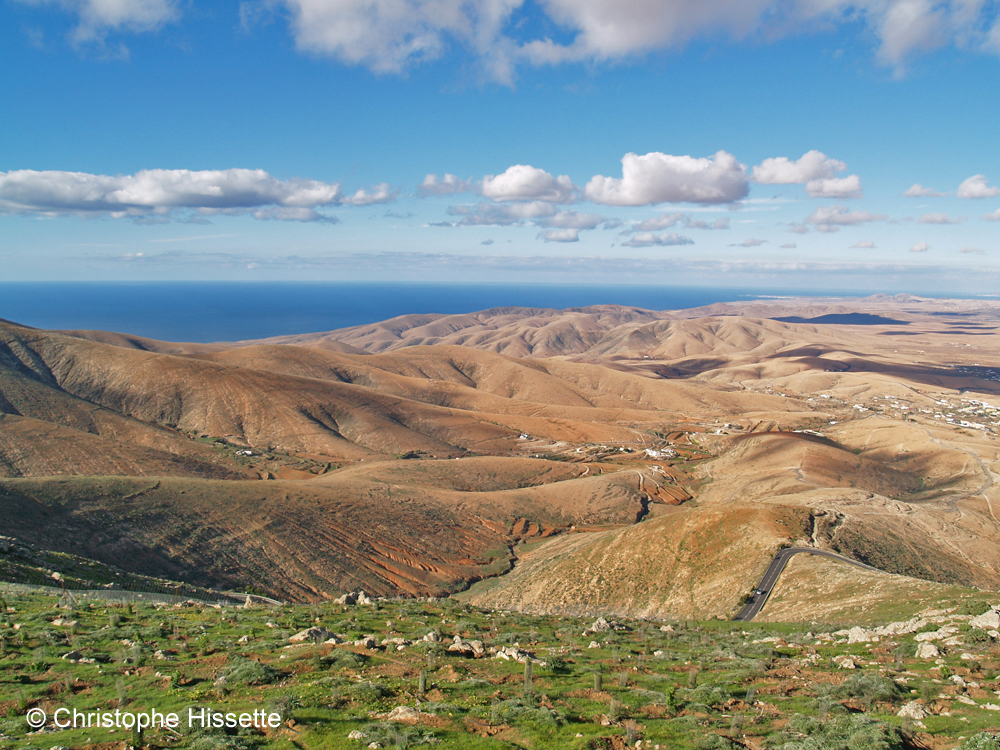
x=696, y=685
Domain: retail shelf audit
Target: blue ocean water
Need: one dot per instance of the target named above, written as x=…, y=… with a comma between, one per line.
x=219, y=311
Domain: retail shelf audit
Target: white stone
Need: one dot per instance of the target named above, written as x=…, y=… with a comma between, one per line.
x=912, y=710
x=989, y=620
x=927, y=651
x=844, y=662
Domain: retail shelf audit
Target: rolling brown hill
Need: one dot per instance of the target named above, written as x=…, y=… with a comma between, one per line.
x=312, y=465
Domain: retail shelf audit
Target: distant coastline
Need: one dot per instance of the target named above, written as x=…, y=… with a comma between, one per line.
x=231, y=311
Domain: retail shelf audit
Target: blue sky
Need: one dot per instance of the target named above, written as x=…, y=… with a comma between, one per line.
x=742, y=142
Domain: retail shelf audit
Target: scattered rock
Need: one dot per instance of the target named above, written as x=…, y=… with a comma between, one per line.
x=509, y=653
x=405, y=715
x=844, y=662
x=989, y=620
x=356, y=735
x=475, y=649
x=912, y=710
x=927, y=651
x=316, y=635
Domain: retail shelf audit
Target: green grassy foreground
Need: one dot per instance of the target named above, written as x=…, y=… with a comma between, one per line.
x=683, y=684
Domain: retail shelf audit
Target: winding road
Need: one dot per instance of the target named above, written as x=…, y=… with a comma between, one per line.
x=773, y=572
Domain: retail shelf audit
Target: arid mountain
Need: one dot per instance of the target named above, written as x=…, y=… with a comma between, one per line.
x=609, y=459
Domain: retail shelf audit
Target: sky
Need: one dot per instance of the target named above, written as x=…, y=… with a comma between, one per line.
x=840, y=144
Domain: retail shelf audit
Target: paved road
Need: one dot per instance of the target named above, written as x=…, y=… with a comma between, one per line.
x=774, y=570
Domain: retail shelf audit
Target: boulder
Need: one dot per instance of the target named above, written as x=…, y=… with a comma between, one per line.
x=844, y=662
x=989, y=620
x=475, y=649
x=315, y=635
x=927, y=651
x=860, y=635
x=912, y=710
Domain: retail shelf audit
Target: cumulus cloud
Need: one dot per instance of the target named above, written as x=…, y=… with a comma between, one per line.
x=391, y=35
x=789, y=246
x=573, y=220
x=523, y=182
x=560, y=235
x=864, y=245
x=752, y=242
x=940, y=218
x=383, y=193
x=814, y=165
x=388, y=35
x=920, y=247
x=447, y=185
x=972, y=251
x=662, y=178
x=97, y=17
x=977, y=187
x=919, y=191
x=160, y=191
x=829, y=218
x=995, y=216
x=835, y=187
x=501, y=214
x=665, y=221
x=799, y=229
x=648, y=239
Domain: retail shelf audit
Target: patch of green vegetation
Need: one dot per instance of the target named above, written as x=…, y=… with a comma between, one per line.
x=692, y=684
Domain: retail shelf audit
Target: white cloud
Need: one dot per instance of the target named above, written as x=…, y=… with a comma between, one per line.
x=919, y=191
x=841, y=216
x=799, y=229
x=447, y=185
x=789, y=246
x=159, y=191
x=781, y=170
x=97, y=17
x=663, y=221
x=752, y=242
x=560, y=235
x=864, y=245
x=977, y=187
x=920, y=247
x=972, y=251
x=501, y=214
x=523, y=182
x=281, y=213
x=391, y=35
x=573, y=220
x=662, y=178
x=940, y=218
x=648, y=239
x=720, y=223
x=383, y=193
x=835, y=187
x=995, y=216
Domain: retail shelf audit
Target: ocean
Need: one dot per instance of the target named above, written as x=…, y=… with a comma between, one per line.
x=232, y=311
